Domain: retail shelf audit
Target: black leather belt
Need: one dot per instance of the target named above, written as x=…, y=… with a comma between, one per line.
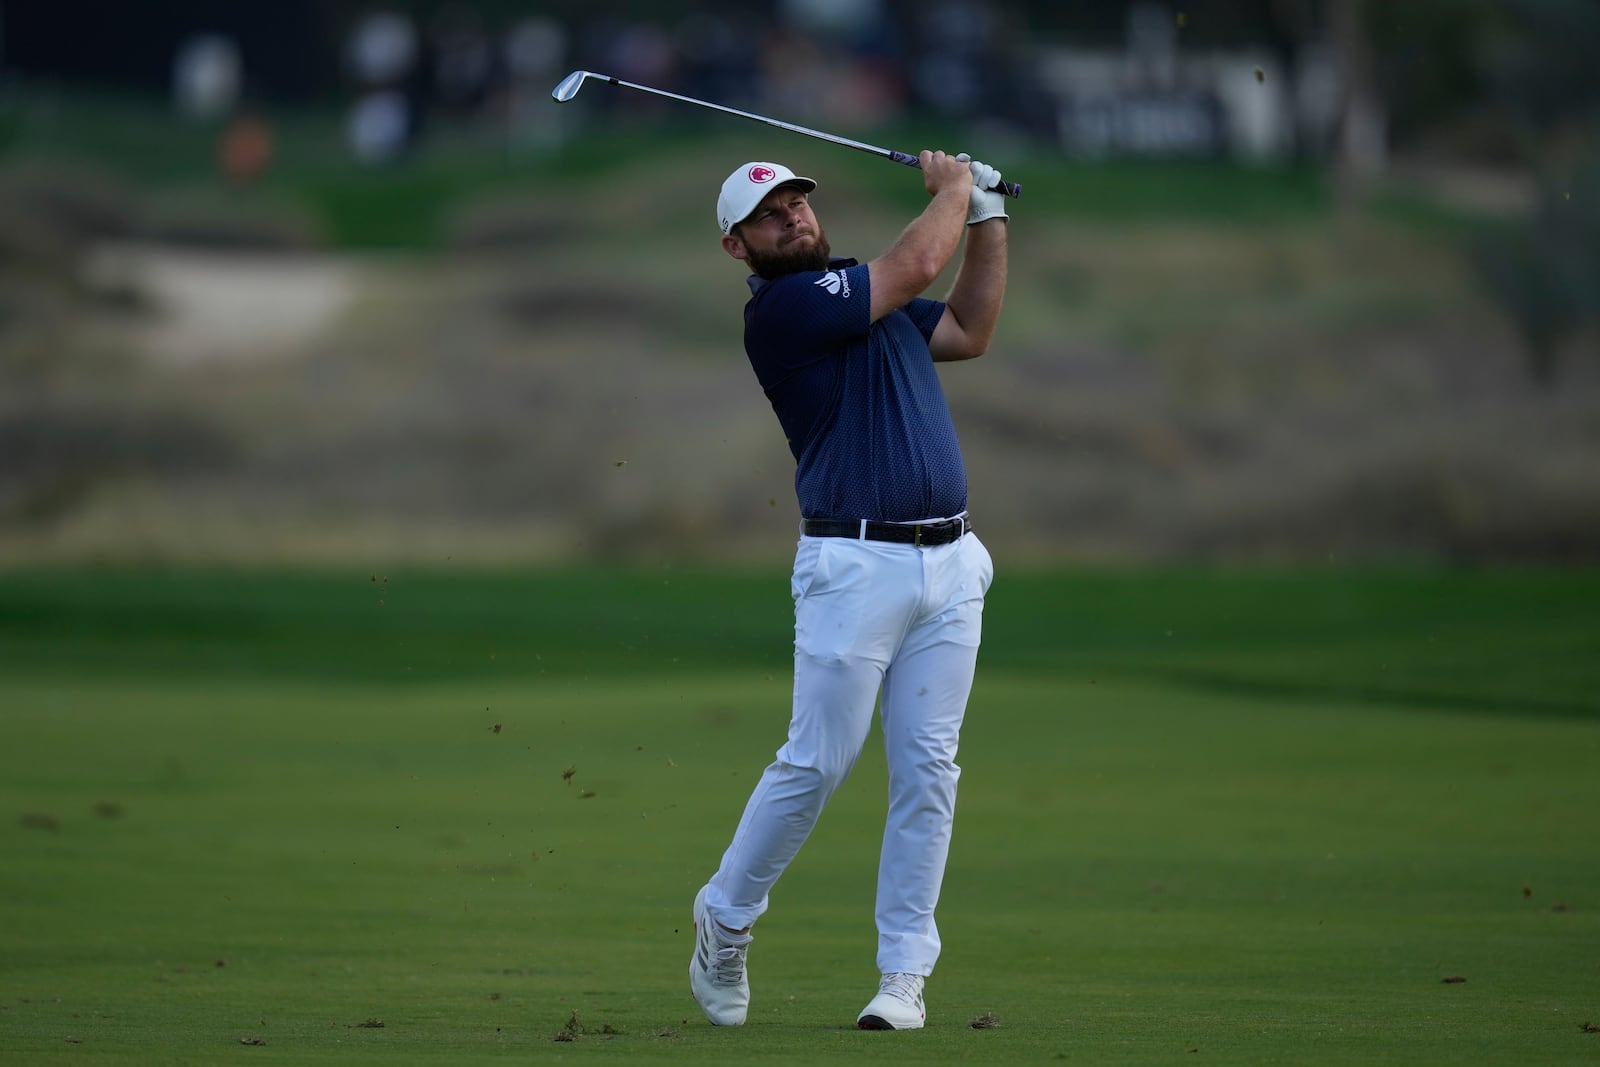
x=921, y=534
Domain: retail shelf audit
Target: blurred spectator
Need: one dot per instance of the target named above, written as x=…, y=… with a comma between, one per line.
x=381, y=126
x=382, y=50
x=206, y=76
x=636, y=52
x=643, y=53
x=795, y=71
x=535, y=53
x=836, y=60
x=382, y=58
x=717, y=60
x=247, y=147
x=958, y=37
x=463, y=61
x=847, y=20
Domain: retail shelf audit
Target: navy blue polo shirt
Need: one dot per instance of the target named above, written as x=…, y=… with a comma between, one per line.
x=860, y=401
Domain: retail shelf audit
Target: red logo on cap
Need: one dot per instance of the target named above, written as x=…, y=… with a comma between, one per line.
x=761, y=175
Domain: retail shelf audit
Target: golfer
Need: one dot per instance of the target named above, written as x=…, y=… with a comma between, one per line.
x=889, y=578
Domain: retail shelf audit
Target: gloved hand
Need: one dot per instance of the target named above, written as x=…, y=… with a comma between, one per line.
x=987, y=201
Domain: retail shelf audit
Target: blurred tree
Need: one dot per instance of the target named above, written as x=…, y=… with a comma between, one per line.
x=1361, y=149
x=1431, y=74
x=1545, y=269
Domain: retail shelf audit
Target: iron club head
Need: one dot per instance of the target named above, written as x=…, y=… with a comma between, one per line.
x=569, y=86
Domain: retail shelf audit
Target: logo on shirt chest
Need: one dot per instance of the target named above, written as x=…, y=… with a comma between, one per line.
x=835, y=282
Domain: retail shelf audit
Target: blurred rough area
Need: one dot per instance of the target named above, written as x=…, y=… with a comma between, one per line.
x=566, y=383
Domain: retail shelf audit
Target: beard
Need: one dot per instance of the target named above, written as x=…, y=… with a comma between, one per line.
x=793, y=260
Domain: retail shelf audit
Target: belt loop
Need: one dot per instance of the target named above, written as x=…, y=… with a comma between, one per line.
x=916, y=537
x=862, y=536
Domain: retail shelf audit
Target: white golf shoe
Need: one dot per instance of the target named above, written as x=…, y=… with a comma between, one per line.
x=898, y=1005
x=716, y=970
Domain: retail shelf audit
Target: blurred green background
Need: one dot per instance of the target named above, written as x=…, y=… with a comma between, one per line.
x=1291, y=281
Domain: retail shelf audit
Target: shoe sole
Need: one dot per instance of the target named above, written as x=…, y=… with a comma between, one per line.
x=872, y=1022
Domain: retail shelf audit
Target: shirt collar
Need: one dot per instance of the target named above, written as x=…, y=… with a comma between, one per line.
x=758, y=283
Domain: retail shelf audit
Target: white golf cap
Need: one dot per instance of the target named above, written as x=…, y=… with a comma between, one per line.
x=748, y=185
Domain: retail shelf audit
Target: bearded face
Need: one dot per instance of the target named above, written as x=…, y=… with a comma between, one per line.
x=780, y=236
x=800, y=254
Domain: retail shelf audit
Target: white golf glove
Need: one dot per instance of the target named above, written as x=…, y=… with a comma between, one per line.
x=988, y=202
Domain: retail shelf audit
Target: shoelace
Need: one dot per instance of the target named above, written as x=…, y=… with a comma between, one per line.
x=906, y=987
x=728, y=967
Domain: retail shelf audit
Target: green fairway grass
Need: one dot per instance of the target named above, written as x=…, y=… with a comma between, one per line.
x=1206, y=817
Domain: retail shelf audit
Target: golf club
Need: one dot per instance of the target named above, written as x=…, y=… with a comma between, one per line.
x=569, y=86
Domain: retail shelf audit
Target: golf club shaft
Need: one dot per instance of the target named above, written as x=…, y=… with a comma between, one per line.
x=1011, y=189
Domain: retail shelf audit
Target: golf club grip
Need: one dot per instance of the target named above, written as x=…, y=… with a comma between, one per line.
x=1011, y=189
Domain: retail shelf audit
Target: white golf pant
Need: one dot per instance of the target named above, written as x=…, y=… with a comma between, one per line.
x=870, y=618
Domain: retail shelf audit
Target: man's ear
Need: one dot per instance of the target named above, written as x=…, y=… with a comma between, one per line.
x=734, y=247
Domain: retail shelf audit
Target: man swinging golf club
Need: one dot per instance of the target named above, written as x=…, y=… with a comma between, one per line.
x=889, y=579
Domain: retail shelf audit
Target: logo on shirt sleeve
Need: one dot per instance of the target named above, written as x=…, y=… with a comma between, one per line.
x=835, y=282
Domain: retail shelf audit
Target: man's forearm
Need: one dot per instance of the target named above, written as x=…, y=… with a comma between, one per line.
x=921, y=254
x=931, y=238
x=980, y=283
